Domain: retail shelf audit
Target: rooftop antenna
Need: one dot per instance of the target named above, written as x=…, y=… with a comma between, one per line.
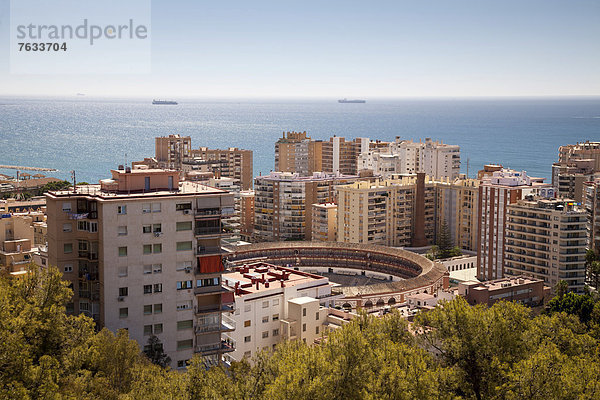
x=467, y=167
x=74, y=181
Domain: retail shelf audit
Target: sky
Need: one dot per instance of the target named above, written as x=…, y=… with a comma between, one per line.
x=363, y=49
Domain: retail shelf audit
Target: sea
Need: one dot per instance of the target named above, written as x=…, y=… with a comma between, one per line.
x=93, y=135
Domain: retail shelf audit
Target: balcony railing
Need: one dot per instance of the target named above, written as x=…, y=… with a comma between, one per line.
x=223, y=346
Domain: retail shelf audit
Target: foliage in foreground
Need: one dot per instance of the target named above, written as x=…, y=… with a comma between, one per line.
x=454, y=352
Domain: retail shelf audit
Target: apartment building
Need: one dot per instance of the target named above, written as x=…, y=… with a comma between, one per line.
x=324, y=222
x=172, y=151
x=456, y=205
x=273, y=304
x=546, y=239
x=142, y=252
x=569, y=178
x=436, y=159
x=592, y=208
x=246, y=214
x=17, y=241
x=283, y=203
x=224, y=163
x=296, y=152
x=522, y=289
x=496, y=192
x=580, y=151
x=386, y=212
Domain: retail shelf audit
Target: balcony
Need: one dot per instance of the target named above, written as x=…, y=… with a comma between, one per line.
x=213, y=308
x=223, y=347
x=209, y=231
x=211, y=328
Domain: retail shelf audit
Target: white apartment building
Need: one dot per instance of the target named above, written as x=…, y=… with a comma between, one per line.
x=142, y=252
x=273, y=304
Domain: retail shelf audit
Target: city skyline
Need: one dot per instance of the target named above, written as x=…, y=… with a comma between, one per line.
x=349, y=49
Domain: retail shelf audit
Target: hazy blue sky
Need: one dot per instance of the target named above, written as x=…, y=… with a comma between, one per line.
x=350, y=49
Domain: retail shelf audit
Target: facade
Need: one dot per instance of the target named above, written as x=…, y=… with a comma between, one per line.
x=273, y=304
x=224, y=163
x=283, y=203
x=580, y=151
x=456, y=205
x=528, y=291
x=324, y=222
x=172, y=151
x=436, y=159
x=142, y=252
x=569, y=178
x=592, y=208
x=496, y=192
x=17, y=241
x=546, y=239
x=246, y=214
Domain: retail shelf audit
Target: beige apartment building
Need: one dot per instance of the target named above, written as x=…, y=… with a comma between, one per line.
x=172, y=151
x=456, y=205
x=142, y=252
x=546, y=239
x=569, y=178
x=283, y=203
x=580, y=151
x=227, y=163
x=324, y=222
x=17, y=241
x=498, y=190
x=386, y=212
x=246, y=214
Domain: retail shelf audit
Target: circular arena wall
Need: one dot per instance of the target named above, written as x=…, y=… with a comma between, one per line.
x=418, y=274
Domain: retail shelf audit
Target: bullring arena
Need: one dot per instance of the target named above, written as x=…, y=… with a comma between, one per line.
x=370, y=276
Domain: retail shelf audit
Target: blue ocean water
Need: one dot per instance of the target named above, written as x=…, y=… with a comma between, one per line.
x=93, y=136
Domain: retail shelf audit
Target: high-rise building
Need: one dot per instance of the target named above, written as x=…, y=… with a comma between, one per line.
x=456, y=205
x=385, y=212
x=592, y=207
x=224, y=163
x=142, y=251
x=324, y=222
x=496, y=192
x=580, y=151
x=546, y=239
x=283, y=203
x=569, y=178
x=246, y=214
x=172, y=151
x=435, y=159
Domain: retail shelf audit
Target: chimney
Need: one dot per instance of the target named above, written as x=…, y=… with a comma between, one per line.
x=267, y=284
x=282, y=283
x=257, y=284
x=419, y=239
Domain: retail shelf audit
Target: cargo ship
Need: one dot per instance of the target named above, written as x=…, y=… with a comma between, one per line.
x=164, y=102
x=351, y=101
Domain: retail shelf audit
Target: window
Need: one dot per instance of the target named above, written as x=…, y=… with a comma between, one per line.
x=265, y=319
x=247, y=323
x=157, y=268
x=185, y=344
x=147, y=249
x=304, y=312
x=67, y=228
x=183, y=206
x=121, y=210
x=122, y=231
x=155, y=207
x=146, y=228
x=123, y=271
x=148, y=309
x=207, y=282
x=158, y=288
x=183, y=363
x=68, y=248
x=247, y=354
x=184, y=246
x=275, y=317
x=123, y=291
x=184, y=305
x=158, y=329
x=247, y=339
x=317, y=330
x=275, y=302
x=183, y=325
x=147, y=330
x=317, y=316
x=123, y=312
x=265, y=304
x=66, y=207
x=68, y=267
x=93, y=227
x=183, y=265
x=123, y=251
x=183, y=226
x=147, y=289
x=157, y=248
x=84, y=306
x=265, y=334
x=247, y=308
x=158, y=308
x=148, y=269
x=275, y=332
x=303, y=327
x=156, y=228
x=146, y=208
x=184, y=285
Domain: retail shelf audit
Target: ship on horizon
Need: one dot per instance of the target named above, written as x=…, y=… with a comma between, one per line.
x=164, y=102
x=344, y=100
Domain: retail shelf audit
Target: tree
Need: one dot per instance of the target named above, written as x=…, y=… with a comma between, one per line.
x=594, y=274
x=561, y=288
x=155, y=352
x=444, y=241
x=52, y=186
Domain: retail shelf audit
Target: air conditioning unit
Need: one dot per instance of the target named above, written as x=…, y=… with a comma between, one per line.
x=186, y=212
x=120, y=298
x=188, y=270
x=157, y=234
